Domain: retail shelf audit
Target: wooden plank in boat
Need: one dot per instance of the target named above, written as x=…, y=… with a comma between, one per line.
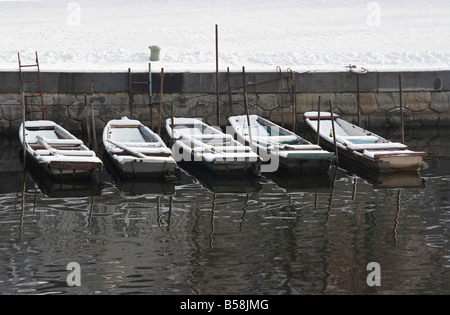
x=124, y=126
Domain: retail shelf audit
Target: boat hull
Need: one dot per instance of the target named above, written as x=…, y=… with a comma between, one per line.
x=279, y=148
x=140, y=168
x=197, y=144
x=218, y=166
x=56, y=152
x=305, y=165
x=66, y=169
x=386, y=164
x=135, y=151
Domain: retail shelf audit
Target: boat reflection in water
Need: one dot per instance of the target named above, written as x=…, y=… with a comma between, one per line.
x=412, y=180
x=60, y=188
x=136, y=186
x=321, y=183
x=228, y=184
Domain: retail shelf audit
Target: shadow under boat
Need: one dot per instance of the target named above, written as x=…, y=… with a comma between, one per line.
x=308, y=182
x=223, y=183
x=412, y=180
x=62, y=188
x=136, y=186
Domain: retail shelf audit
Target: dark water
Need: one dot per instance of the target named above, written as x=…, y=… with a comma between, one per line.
x=273, y=236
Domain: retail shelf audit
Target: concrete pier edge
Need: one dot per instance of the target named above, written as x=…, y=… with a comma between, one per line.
x=425, y=97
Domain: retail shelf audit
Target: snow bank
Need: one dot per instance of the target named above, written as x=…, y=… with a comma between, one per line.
x=303, y=35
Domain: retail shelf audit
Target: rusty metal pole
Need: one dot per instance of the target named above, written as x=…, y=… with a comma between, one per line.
x=401, y=108
x=358, y=100
x=334, y=133
x=217, y=76
x=318, y=123
x=246, y=107
x=230, y=96
x=161, y=102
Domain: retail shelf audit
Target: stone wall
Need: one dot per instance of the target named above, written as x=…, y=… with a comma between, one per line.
x=70, y=96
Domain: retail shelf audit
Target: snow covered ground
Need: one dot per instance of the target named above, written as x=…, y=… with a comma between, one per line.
x=303, y=35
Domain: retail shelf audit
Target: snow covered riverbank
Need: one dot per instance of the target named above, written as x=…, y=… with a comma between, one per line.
x=305, y=35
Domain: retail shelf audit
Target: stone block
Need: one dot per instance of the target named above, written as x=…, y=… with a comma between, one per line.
x=56, y=113
x=368, y=103
x=440, y=102
x=376, y=119
x=394, y=117
x=64, y=100
x=385, y=101
x=12, y=111
x=346, y=103
x=422, y=118
x=418, y=101
x=282, y=116
x=267, y=101
x=305, y=102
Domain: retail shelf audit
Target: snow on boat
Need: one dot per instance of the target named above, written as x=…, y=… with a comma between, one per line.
x=199, y=144
x=136, y=151
x=363, y=147
x=280, y=148
x=56, y=151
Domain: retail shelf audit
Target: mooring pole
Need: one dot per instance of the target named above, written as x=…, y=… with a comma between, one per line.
x=358, y=100
x=334, y=133
x=401, y=108
x=161, y=102
x=130, y=93
x=217, y=76
x=230, y=96
x=24, y=144
x=150, y=94
x=94, y=132
x=282, y=96
x=88, y=125
x=294, y=100
x=318, y=122
x=246, y=106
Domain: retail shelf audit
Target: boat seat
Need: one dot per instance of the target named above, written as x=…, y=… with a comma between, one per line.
x=377, y=146
x=279, y=139
x=379, y=154
x=212, y=136
x=64, y=152
x=60, y=142
x=138, y=144
x=358, y=139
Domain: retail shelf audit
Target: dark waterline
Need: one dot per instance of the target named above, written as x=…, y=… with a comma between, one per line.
x=275, y=236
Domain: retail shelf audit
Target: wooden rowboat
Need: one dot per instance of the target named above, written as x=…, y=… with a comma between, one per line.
x=363, y=148
x=56, y=151
x=279, y=148
x=198, y=144
x=136, y=151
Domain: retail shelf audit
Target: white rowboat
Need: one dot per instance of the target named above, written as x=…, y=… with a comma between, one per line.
x=366, y=149
x=279, y=148
x=56, y=151
x=137, y=151
x=196, y=143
